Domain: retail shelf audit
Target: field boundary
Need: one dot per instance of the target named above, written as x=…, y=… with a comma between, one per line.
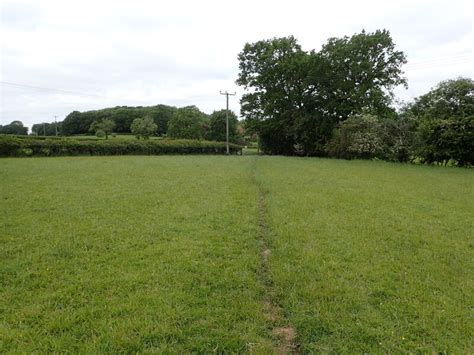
x=282, y=333
x=32, y=147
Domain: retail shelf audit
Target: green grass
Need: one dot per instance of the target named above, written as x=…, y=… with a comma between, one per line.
x=372, y=256
x=113, y=254
x=132, y=254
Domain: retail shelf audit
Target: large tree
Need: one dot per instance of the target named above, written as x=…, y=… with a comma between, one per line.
x=143, y=127
x=295, y=98
x=273, y=73
x=445, y=117
x=187, y=123
x=217, y=126
x=106, y=126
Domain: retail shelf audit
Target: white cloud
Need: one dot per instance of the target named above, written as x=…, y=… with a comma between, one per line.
x=184, y=52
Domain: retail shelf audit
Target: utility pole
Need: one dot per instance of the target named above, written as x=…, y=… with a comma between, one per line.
x=44, y=129
x=56, y=125
x=227, y=119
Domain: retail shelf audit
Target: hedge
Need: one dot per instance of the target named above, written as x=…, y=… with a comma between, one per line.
x=17, y=147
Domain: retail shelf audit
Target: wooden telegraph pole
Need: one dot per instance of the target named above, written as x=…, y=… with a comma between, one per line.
x=227, y=119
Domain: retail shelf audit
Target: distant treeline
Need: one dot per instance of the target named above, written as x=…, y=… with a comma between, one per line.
x=15, y=127
x=47, y=129
x=181, y=123
x=80, y=122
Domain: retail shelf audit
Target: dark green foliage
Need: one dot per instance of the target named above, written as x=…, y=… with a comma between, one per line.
x=399, y=138
x=100, y=133
x=161, y=115
x=445, y=118
x=15, y=127
x=297, y=98
x=357, y=74
x=274, y=73
x=217, y=127
x=46, y=129
x=79, y=122
x=143, y=127
x=10, y=146
x=17, y=147
x=188, y=123
x=448, y=140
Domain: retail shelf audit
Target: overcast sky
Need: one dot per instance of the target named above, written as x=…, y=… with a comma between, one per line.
x=100, y=54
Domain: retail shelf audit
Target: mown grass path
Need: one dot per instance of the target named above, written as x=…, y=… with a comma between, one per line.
x=283, y=333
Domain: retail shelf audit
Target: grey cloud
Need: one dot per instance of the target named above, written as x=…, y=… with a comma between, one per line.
x=183, y=53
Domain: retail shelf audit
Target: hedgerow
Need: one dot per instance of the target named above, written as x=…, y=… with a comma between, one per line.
x=17, y=147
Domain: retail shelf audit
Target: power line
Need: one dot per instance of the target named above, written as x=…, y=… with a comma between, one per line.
x=39, y=88
x=465, y=56
x=436, y=63
x=68, y=92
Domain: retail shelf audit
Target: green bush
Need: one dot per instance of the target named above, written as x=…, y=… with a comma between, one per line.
x=447, y=140
x=100, y=133
x=357, y=137
x=16, y=147
x=10, y=145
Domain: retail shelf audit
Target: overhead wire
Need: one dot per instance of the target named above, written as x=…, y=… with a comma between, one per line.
x=412, y=66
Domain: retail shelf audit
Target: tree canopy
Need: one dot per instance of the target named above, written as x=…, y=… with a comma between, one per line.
x=79, y=122
x=188, y=123
x=450, y=98
x=143, y=127
x=15, y=127
x=445, y=118
x=46, y=129
x=105, y=127
x=217, y=126
x=295, y=98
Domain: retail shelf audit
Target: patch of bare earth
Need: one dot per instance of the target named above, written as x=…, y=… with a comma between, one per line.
x=286, y=335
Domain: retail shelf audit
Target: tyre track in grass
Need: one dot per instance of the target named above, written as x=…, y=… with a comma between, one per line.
x=283, y=334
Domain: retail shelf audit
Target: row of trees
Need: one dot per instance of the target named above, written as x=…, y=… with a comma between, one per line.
x=15, y=127
x=437, y=127
x=339, y=102
x=122, y=117
x=160, y=120
x=185, y=123
x=190, y=123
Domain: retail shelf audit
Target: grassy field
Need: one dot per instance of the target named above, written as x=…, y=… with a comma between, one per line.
x=131, y=254
x=372, y=257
